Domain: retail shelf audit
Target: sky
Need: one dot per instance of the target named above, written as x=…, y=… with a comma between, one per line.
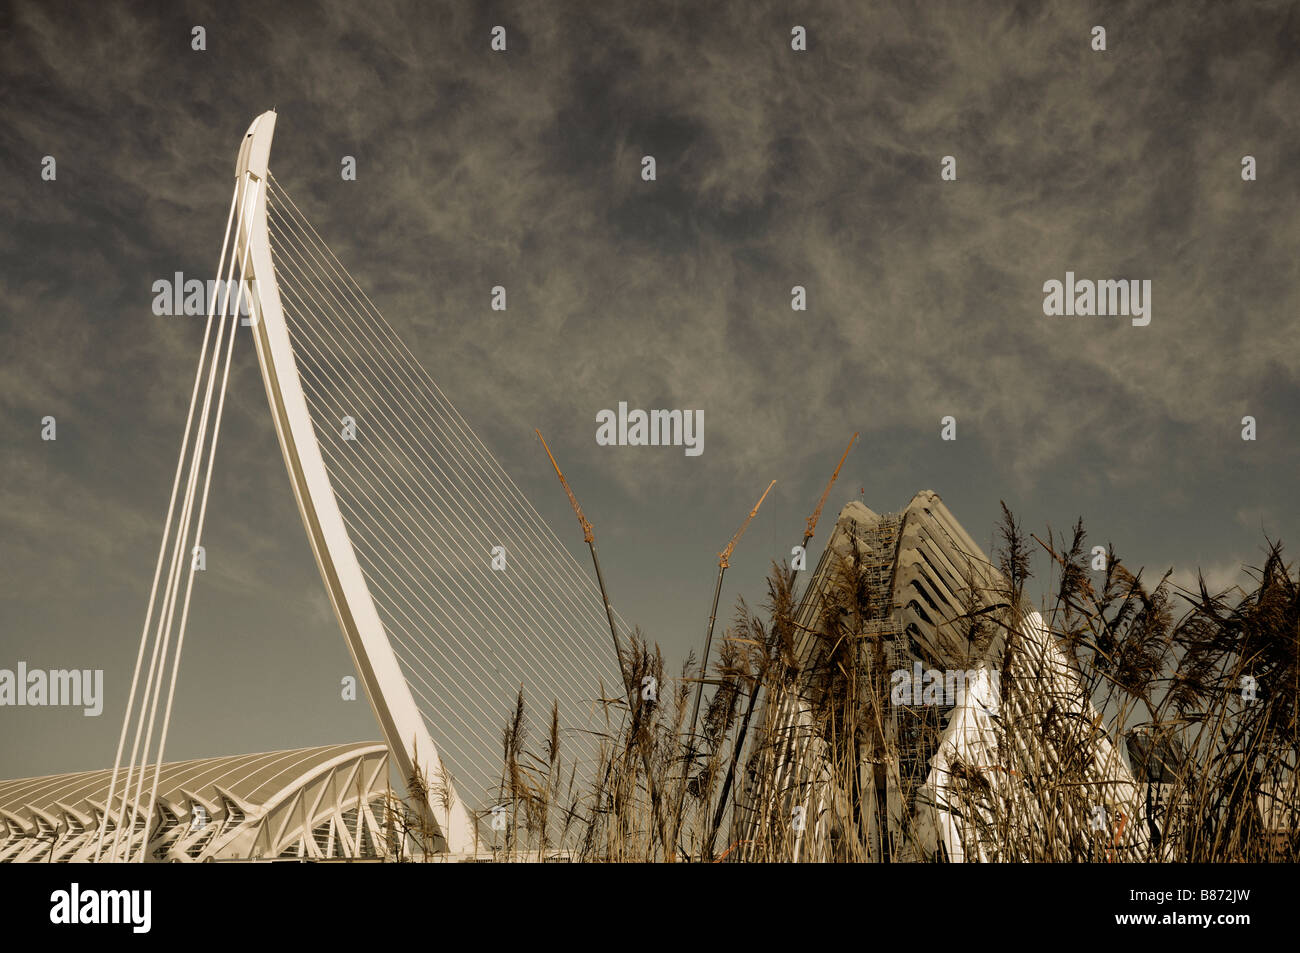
x=774, y=168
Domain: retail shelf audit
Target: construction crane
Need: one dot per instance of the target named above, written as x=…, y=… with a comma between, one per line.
x=811, y=528
x=589, y=537
x=724, y=560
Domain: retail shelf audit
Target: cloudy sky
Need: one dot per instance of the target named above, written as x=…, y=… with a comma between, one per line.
x=775, y=168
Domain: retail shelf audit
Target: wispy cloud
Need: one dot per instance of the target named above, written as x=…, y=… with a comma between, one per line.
x=775, y=169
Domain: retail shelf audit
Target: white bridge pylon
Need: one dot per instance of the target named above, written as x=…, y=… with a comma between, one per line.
x=389, y=693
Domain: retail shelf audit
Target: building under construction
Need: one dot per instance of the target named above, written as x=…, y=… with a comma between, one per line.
x=926, y=718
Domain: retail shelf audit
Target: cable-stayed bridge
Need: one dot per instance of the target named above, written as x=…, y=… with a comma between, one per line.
x=404, y=508
x=453, y=596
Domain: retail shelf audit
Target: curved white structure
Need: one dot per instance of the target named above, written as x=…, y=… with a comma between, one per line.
x=309, y=803
x=390, y=696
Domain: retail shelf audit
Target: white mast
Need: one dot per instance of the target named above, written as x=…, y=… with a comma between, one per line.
x=390, y=696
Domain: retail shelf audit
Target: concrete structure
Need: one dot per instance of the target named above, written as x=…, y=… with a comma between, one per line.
x=310, y=803
x=411, y=525
x=971, y=726
x=390, y=696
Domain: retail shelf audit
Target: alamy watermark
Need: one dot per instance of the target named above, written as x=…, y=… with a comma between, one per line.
x=917, y=686
x=54, y=687
x=655, y=428
x=1107, y=296
x=180, y=295
x=76, y=906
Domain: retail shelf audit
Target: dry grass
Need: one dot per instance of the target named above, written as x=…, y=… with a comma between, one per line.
x=800, y=716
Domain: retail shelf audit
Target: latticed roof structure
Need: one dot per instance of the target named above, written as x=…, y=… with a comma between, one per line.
x=855, y=761
x=313, y=803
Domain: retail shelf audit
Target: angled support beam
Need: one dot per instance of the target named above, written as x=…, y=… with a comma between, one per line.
x=390, y=697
